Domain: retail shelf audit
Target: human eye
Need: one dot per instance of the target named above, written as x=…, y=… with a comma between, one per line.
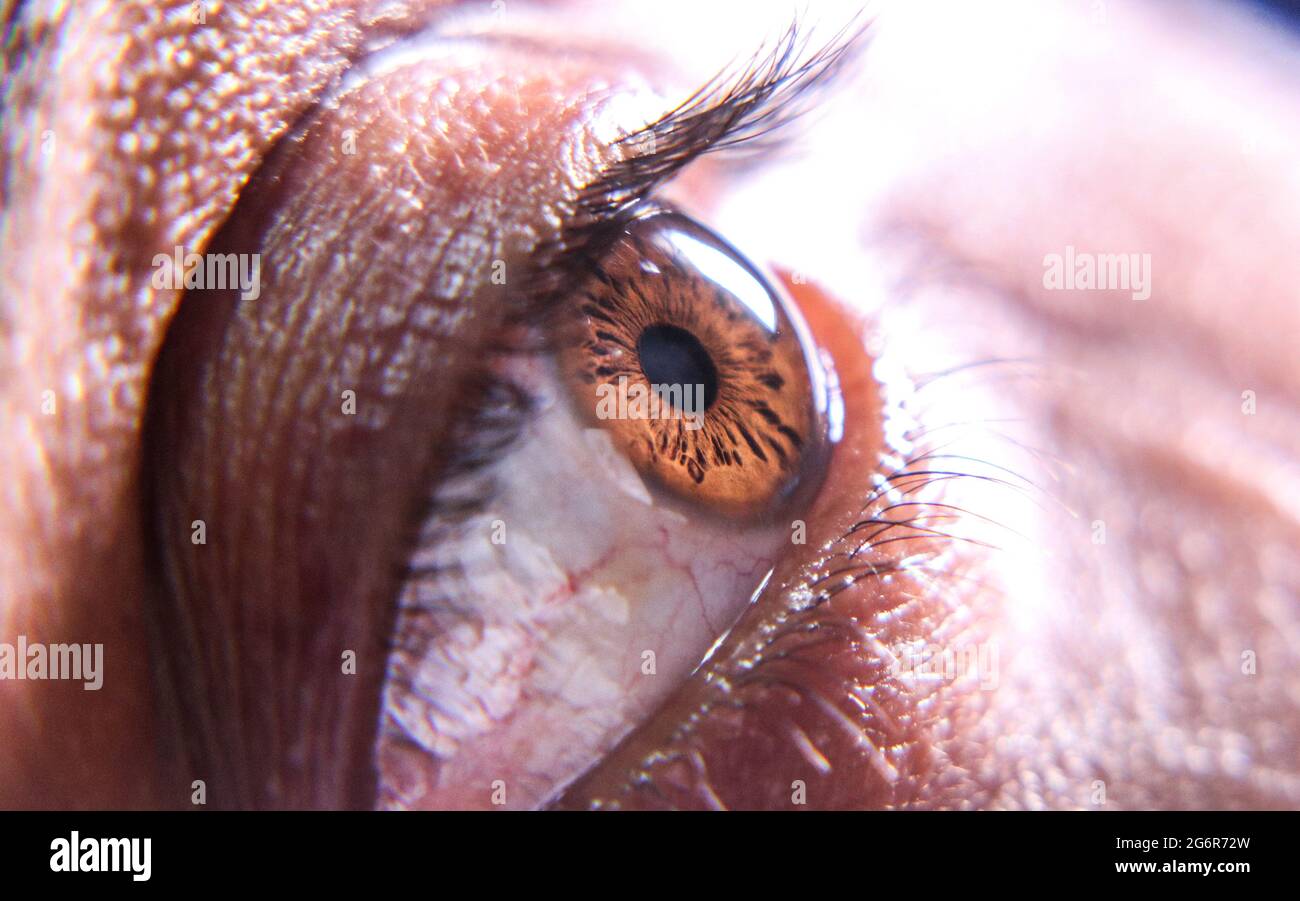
x=1028, y=544
x=482, y=493
x=647, y=467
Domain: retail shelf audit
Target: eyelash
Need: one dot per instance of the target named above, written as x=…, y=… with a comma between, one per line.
x=740, y=113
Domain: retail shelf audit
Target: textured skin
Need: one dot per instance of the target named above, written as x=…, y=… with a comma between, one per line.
x=389, y=295
x=152, y=125
x=1156, y=669
x=1120, y=664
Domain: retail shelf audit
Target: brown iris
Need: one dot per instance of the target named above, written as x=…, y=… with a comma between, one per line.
x=698, y=367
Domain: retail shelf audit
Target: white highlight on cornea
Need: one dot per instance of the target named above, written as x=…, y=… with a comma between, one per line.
x=729, y=275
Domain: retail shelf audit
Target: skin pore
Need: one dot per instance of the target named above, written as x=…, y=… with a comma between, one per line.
x=932, y=182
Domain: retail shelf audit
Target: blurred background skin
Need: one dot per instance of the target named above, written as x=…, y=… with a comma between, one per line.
x=973, y=141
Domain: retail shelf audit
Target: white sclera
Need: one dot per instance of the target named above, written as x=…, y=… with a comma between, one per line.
x=534, y=667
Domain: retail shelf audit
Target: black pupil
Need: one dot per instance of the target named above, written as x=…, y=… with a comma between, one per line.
x=673, y=356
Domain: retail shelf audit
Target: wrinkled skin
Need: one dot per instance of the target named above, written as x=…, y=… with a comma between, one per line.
x=966, y=146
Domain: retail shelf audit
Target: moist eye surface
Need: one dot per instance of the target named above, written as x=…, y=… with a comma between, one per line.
x=589, y=578
x=700, y=369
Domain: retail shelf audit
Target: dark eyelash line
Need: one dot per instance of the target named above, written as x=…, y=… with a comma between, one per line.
x=747, y=112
